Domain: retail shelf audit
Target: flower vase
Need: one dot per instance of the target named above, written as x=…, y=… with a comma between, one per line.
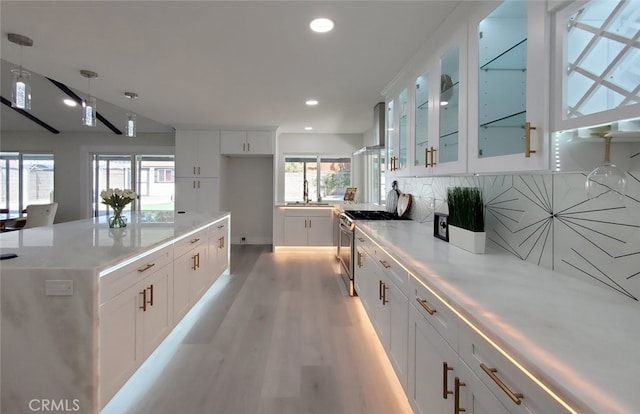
x=117, y=220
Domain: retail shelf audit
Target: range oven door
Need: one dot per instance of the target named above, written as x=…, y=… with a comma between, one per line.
x=346, y=255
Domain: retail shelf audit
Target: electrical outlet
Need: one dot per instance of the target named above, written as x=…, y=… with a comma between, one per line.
x=243, y=240
x=58, y=287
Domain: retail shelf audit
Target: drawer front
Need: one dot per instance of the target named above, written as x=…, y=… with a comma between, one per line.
x=392, y=269
x=190, y=242
x=217, y=228
x=118, y=281
x=363, y=242
x=435, y=311
x=515, y=390
x=308, y=212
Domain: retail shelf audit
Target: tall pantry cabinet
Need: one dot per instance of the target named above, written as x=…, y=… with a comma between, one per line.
x=197, y=186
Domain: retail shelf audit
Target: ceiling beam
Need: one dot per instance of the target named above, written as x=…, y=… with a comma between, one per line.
x=64, y=88
x=29, y=116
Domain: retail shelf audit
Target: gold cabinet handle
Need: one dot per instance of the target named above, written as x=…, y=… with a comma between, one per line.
x=527, y=140
x=196, y=240
x=309, y=223
x=426, y=306
x=198, y=259
x=360, y=239
x=384, y=293
x=150, y=302
x=427, y=151
x=198, y=183
x=220, y=226
x=221, y=242
x=194, y=183
x=144, y=300
x=193, y=266
x=433, y=156
x=146, y=267
x=380, y=289
x=385, y=264
x=244, y=146
x=491, y=372
x=194, y=170
x=456, y=396
x=445, y=381
x=249, y=146
x=198, y=170
x=359, y=259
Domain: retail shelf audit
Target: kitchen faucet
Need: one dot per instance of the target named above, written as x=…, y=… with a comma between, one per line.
x=305, y=191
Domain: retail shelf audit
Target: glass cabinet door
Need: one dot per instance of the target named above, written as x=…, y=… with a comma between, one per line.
x=403, y=133
x=508, y=127
x=392, y=155
x=421, y=145
x=449, y=106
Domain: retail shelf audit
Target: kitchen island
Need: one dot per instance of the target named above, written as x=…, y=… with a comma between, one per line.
x=83, y=305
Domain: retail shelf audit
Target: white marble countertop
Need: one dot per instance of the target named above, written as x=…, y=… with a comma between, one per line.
x=577, y=337
x=90, y=243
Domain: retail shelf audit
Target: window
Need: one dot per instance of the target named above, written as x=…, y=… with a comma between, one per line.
x=164, y=175
x=26, y=179
x=152, y=177
x=327, y=177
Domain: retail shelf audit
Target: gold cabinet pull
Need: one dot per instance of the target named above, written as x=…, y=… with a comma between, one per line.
x=195, y=240
x=198, y=259
x=221, y=242
x=359, y=259
x=249, y=146
x=193, y=266
x=309, y=223
x=527, y=140
x=194, y=170
x=427, y=151
x=198, y=183
x=425, y=305
x=150, y=302
x=146, y=267
x=433, y=156
x=456, y=396
x=194, y=183
x=380, y=284
x=144, y=300
x=385, y=264
x=220, y=226
x=445, y=381
x=198, y=170
x=244, y=146
x=384, y=293
x=491, y=372
x=360, y=239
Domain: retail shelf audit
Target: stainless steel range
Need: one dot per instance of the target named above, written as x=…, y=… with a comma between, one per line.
x=346, y=250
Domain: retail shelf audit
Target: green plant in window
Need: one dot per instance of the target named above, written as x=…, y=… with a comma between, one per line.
x=466, y=208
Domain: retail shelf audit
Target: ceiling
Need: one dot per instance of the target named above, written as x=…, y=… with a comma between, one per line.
x=212, y=64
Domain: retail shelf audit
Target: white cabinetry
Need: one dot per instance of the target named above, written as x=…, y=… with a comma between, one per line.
x=307, y=226
x=189, y=272
x=218, y=255
x=200, y=195
x=197, y=154
x=135, y=315
x=197, y=178
x=246, y=143
x=508, y=84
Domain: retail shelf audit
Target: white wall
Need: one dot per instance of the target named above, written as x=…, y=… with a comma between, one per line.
x=248, y=194
x=72, y=182
x=320, y=144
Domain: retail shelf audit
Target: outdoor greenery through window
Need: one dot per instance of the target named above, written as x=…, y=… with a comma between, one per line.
x=26, y=179
x=327, y=177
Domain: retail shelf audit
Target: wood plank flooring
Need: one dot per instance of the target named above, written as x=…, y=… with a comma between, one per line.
x=277, y=336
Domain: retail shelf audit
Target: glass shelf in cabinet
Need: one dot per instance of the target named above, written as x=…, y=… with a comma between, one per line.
x=514, y=58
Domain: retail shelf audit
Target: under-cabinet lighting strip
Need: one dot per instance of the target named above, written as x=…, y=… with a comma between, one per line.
x=155, y=249
x=485, y=337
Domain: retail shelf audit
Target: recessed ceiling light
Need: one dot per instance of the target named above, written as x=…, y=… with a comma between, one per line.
x=70, y=102
x=321, y=25
x=312, y=102
x=308, y=128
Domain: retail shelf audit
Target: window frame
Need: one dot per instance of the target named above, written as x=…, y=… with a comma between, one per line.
x=22, y=203
x=318, y=176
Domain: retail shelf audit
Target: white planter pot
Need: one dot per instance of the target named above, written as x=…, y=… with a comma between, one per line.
x=467, y=240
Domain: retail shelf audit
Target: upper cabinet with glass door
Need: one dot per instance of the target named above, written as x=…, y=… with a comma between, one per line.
x=398, y=138
x=423, y=154
x=508, y=60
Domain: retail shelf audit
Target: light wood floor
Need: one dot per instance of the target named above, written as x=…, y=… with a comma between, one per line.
x=277, y=336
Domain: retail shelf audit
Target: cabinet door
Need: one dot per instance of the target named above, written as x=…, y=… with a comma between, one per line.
x=403, y=132
x=197, y=154
x=223, y=254
x=186, y=159
x=473, y=396
x=186, y=194
x=509, y=57
x=158, y=316
x=208, y=154
x=121, y=350
x=182, y=269
x=233, y=142
x=260, y=142
x=391, y=138
x=320, y=231
x=397, y=308
x=208, y=195
x=430, y=383
x=295, y=231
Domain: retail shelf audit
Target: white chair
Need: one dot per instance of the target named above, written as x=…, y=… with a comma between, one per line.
x=40, y=215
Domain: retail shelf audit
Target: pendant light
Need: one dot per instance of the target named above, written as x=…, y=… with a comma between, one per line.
x=21, y=87
x=130, y=128
x=89, y=108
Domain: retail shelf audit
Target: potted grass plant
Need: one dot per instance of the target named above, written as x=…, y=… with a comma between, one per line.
x=466, y=218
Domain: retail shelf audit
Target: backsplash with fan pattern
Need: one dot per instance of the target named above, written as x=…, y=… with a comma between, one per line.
x=547, y=219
